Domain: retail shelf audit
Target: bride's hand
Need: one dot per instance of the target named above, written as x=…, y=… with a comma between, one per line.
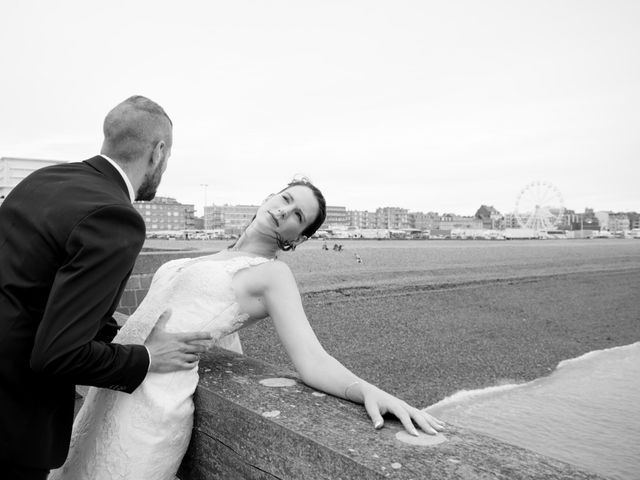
x=377, y=403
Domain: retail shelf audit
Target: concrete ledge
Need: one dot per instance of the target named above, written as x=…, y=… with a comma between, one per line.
x=246, y=430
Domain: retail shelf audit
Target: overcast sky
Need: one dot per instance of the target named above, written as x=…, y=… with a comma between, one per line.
x=426, y=105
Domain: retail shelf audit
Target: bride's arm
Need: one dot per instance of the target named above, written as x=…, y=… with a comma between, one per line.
x=320, y=370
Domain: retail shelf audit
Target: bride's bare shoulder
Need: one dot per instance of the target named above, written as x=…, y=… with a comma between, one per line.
x=275, y=268
x=272, y=274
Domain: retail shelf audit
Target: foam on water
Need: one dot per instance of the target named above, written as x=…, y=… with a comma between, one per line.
x=586, y=412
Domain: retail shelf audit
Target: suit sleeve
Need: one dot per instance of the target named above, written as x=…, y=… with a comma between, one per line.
x=110, y=330
x=100, y=252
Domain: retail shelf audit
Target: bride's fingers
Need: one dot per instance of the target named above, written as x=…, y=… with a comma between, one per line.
x=424, y=423
x=405, y=419
x=374, y=413
x=436, y=422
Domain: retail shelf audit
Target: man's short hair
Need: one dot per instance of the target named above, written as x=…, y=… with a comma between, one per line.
x=135, y=126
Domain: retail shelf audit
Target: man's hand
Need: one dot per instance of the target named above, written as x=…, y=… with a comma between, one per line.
x=174, y=351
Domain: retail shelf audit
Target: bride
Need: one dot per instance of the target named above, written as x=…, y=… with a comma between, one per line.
x=145, y=434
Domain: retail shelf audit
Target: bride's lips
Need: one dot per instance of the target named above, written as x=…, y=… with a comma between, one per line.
x=274, y=219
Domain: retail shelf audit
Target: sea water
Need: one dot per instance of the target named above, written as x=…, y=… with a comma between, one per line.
x=587, y=412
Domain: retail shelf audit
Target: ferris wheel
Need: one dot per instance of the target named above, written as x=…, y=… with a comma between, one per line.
x=539, y=206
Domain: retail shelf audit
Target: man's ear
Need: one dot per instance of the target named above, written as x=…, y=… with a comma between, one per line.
x=299, y=240
x=158, y=153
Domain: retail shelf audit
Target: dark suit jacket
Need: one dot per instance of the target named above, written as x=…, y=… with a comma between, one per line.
x=69, y=237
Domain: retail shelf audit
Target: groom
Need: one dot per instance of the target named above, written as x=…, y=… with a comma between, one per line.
x=69, y=237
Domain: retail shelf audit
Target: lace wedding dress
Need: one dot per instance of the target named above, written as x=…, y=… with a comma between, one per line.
x=144, y=435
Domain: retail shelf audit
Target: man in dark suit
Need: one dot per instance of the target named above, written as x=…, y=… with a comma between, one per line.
x=69, y=237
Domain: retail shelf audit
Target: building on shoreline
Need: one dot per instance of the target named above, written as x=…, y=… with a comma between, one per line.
x=166, y=213
x=613, y=222
x=491, y=218
x=425, y=222
x=451, y=221
x=392, y=218
x=336, y=216
x=361, y=219
x=233, y=219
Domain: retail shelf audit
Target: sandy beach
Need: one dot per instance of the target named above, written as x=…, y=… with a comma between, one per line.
x=507, y=314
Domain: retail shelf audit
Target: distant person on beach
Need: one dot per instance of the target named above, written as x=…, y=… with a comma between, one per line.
x=358, y=258
x=69, y=237
x=145, y=435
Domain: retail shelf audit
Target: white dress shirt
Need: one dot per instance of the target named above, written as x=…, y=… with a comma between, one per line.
x=132, y=194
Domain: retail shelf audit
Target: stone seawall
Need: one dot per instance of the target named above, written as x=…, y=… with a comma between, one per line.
x=257, y=421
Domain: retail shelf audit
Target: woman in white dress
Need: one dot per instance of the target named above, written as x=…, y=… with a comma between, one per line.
x=146, y=434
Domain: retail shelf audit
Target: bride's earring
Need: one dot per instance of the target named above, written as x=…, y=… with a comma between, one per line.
x=294, y=243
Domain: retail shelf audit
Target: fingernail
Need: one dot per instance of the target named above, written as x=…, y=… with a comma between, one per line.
x=378, y=424
x=415, y=433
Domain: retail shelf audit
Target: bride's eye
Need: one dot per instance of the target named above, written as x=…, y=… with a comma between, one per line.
x=285, y=198
x=299, y=216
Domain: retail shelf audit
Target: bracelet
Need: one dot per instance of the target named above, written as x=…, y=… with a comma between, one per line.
x=348, y=387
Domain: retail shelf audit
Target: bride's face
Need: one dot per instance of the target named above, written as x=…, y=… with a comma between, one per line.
x=288, y=213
